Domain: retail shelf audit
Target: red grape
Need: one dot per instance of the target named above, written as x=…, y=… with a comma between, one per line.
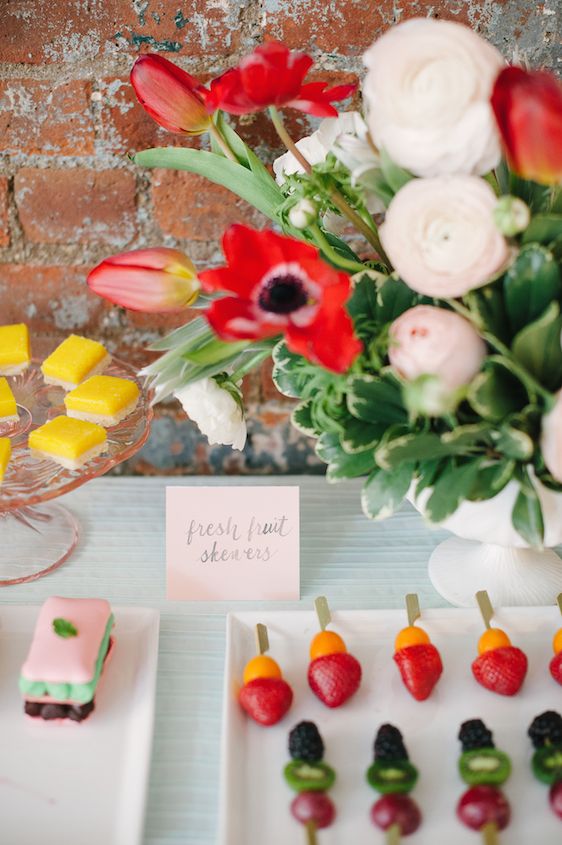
x=556, y=798
x=313, y=807
x=396, y=809
x=482, y=805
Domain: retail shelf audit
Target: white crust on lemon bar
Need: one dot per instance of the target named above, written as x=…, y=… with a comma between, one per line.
x=68, y=385
x=103, y=419
x=71, y=463
x=13, y=418
x=14, y=369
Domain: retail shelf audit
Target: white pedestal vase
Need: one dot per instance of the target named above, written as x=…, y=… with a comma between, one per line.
x=487, y=553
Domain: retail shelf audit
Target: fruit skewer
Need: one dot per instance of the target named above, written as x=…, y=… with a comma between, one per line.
x=417, y=659
x=334, y=675
x=311, y=778
x=393, y=776
x=556, y=662
x=265, y=696
x=500, y=667
x=545, y=732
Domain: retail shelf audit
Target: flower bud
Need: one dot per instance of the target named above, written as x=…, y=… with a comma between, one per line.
x=511, y=216
x=428, y=396
x=303, y=214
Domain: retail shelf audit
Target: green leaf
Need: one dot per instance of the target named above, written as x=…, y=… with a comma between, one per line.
x=375, y=400
x=63, y=628
x=488, y=305
x=538, y=348
x=215, y=351
x=526, y=516
x=496, y=391
x=340, y=464
x=491, y=480
x=513, y=443
x=451, y=488
x=384, y=492
x=302, y=420
x=467, y=436
x=543, y=229
x=536, y=196
x=530, y=285
x=358, y=435
x=428, y=472
x=416, y=447
x=192, y=331
x=393, y=298
x=263, y=195
x=294, y=376
x=395, y=177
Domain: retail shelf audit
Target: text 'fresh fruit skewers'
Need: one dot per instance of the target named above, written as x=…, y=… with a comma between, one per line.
x=265, y=696
x=393, y=776
x=545, y=732
x=417, y=658
x=500, y=667
x=334, y=675
x=556, y=662
x=311, y=778
x=483, y=807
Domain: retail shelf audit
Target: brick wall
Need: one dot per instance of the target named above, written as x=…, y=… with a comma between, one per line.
x=69, y=195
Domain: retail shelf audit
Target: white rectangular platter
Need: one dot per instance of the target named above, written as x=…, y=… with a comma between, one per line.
x=79, y=783
x=254, y=796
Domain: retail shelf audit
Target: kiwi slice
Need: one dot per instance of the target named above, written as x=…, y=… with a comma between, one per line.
x=484, y=766
x=547, y=763
x=390, y=776
x=309, y=777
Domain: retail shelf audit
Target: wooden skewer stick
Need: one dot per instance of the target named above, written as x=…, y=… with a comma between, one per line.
x=412, y=608
x=485, y=605
x=393, y=834
x=262, y=638
x=311, y=833
x=559, y=601
x=322, y=609
x=490, y=834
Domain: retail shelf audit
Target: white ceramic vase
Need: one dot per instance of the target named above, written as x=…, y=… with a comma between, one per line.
x=487, y=553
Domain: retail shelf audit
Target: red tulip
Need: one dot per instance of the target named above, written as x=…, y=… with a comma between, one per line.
x=273, y=76
x=528, y=109
x=170, y=95
x=151, y=280
x=278, y=285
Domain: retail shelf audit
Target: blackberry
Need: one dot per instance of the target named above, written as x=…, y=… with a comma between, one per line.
x=389, y=744
x=474, y=735
x=546, y=729
x=305, y=743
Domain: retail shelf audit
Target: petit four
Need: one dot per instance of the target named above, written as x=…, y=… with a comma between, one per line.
x=265, y=696
x=62, y=670
x=545, y=732
x=70, y=443
x=483, y=807
x=15, y=355
x=307, y=775
x=8, y=406
x=73, y=361
x=393, y=776
x=417, y=659
x=500, y=666
x=334, y=675
x=105, y=400
x=5, y=453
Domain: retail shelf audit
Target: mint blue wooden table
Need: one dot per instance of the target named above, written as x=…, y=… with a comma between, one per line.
x=356, y=563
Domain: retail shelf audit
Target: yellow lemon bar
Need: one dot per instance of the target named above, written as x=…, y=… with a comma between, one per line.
x=70, y=443
x=14, y=349
x=73, y=361
x=102, y=399
x=5, y=452
x=8, y=407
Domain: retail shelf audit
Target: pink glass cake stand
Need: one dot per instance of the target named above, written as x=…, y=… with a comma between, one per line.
x=36, y=534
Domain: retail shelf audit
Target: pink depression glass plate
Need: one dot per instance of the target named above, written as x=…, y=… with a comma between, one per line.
x=36, y=535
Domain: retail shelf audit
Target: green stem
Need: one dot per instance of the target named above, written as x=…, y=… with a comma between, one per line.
x=339, y=260
x=369, y=232
x=311, y=833
x=249, y=365
x=213, y=129
x=393, y=834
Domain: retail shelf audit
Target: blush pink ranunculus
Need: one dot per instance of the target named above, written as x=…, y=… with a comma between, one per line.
x=151, y=280
x=433, y=341
x=551, y=439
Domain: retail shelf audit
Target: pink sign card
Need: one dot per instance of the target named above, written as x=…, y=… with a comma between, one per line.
x=232, y=543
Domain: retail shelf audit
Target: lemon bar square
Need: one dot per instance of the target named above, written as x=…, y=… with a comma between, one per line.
x=5, y=454
x=8, y=407
x=70, y=443
x=15, y=354
x=105, y=400
x=74, y=360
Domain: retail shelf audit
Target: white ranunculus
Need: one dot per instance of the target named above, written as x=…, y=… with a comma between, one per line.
x=215, y=410
x=441, y=236
x=551, y=439
x=427, y=92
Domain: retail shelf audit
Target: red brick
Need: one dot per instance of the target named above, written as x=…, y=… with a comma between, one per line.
x=61, y=206
x=189, y=206
x=35, y=31
x=42, y=117
x=4, y=224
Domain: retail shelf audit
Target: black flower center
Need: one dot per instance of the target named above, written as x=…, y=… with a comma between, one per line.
x=283, y=294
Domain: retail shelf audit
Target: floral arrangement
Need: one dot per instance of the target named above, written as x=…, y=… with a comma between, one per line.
x=434, y=362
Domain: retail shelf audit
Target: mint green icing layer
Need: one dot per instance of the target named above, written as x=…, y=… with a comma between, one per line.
x=81, y=693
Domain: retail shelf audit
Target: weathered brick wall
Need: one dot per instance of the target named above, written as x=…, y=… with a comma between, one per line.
x=69, y=195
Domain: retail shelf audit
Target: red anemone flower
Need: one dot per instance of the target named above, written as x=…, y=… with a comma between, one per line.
x=173, y=98
x=273, y=76
x=278, y=285
x=528, y=109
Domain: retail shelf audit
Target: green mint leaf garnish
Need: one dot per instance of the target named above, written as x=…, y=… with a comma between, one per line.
x=64, y=628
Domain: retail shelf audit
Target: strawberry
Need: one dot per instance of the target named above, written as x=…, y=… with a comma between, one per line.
x=266, y=700
x=501, y=670
x=334, y=678
x=556, y=667
x=420, y=667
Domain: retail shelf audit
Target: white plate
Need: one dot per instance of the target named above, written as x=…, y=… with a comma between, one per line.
x=254, y=796
x=79, y=783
